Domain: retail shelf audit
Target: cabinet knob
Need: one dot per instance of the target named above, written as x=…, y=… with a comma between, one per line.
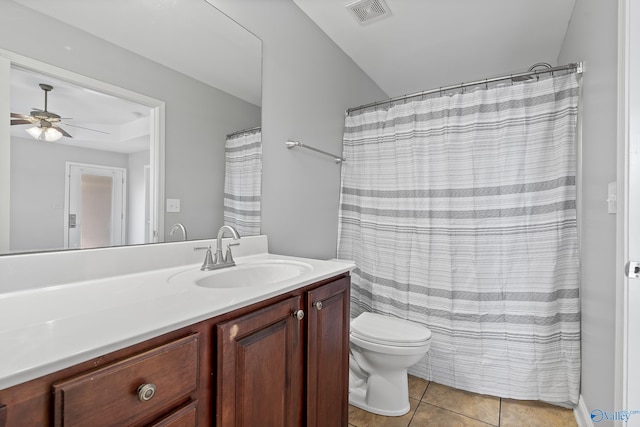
x=146, y=392
x=318, y=305
x=298, y=314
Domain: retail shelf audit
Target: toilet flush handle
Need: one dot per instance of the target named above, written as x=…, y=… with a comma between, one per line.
x=318, y=305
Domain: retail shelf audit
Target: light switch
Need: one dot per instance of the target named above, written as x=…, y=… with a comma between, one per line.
x=173, y=205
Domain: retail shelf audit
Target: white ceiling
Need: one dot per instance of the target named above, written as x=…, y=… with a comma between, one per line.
x=426, y=44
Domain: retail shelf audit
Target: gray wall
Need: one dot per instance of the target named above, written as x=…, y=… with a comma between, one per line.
x=198, y=117
x=308, y=82
x=592, y=38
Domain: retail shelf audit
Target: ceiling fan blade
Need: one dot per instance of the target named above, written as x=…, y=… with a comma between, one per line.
x=62, y=131
x=20, y=116
x=21, y=122
x=92, y=130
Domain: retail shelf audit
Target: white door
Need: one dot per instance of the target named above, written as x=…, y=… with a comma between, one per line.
x=95, y=202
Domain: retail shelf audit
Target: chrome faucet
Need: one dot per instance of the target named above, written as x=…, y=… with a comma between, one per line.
x=227, y=260
x=220, y=261
x=178, y=226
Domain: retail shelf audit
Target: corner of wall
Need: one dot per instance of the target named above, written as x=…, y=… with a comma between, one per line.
x=581, y=412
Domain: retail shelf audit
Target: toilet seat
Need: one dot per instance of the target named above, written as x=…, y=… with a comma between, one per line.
x=390, y=331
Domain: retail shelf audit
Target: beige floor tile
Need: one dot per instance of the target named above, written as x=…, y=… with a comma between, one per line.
x=480, y=407
x=417, y=387
x=360, y=418
x=431, y=416
x=528, y=413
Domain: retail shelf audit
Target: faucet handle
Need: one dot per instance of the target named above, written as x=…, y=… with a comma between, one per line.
x=228, y=258
x=208, y=258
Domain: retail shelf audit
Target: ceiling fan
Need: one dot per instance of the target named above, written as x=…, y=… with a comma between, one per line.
x=47, y=123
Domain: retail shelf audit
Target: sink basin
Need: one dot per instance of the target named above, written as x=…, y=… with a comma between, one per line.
x=257, y=273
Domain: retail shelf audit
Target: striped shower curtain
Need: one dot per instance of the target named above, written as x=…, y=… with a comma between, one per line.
x=460, y=214
x=243, y=182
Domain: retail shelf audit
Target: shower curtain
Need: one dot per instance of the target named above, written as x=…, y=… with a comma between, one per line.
x=243, y=182
x=460, y=214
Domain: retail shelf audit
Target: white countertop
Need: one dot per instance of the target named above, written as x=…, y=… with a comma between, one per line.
x=50, y=328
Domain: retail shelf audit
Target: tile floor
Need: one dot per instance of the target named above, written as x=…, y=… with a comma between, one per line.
x=435, y=405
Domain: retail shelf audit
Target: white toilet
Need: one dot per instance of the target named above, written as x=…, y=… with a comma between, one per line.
x=382, y=348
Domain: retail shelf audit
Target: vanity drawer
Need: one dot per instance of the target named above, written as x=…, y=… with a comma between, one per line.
x=116, y=394
x=186, y=416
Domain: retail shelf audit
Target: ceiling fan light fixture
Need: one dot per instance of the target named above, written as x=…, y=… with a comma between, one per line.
x=35, y=131
x=41, y=134
x=51, y=134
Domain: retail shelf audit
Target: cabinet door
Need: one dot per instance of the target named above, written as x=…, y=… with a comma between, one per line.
x=328, y=355
x=260, y=368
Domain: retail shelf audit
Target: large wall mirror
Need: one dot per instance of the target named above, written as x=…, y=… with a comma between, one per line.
x=147, y=94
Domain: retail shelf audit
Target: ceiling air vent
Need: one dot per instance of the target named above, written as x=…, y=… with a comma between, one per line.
x=366, y=11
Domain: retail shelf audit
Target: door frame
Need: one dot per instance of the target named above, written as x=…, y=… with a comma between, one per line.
x=627, y=392
x=123, y=202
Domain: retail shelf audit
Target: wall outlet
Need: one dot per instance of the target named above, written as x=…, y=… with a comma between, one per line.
x=173, y=205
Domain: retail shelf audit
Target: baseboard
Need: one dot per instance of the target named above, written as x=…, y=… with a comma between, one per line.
x=582, y=414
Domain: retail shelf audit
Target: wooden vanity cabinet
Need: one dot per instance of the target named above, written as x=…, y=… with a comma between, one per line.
x=262, y=365
x=287, y=364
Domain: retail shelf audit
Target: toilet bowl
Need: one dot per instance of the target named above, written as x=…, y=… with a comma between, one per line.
x=382, y=348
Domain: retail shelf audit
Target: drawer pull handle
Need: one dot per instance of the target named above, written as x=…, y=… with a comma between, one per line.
x=146, y=392
x=318, y=305
x=298, y=314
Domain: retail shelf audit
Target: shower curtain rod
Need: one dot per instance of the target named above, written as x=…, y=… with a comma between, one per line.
x=572, y=66
x=250, y=130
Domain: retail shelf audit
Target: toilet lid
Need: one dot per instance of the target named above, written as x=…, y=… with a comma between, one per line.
x=389, y=330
